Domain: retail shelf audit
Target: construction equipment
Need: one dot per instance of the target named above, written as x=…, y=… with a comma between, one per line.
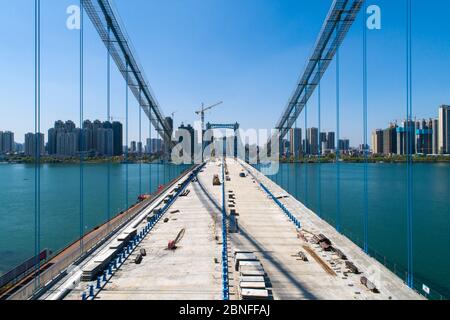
x=339, y=253
x=138, y=259
x=319, y=260
x=202, y=111
x=173, y=243
x=216, y=180
x=351, y=267
x=370, y=285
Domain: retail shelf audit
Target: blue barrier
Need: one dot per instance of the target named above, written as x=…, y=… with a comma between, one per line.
x=285, y=210
x=282, y=206
x=225, y=293
x=91, y=291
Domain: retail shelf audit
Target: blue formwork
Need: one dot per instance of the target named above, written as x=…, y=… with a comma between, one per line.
x=225, y=289
x=282, y=206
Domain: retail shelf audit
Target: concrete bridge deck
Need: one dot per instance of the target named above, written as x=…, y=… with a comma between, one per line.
x=194, y=269
x=266, y=230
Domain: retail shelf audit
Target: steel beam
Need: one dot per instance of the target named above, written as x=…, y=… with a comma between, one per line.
x=340, y=18
x=111, y=31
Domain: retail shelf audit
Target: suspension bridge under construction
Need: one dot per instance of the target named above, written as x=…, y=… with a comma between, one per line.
x=221, y=230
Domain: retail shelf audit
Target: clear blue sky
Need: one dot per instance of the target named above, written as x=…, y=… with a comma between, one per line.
x=248, y=53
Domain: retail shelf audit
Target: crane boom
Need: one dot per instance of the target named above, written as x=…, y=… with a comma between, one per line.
x=202, y=111
x=213, y=106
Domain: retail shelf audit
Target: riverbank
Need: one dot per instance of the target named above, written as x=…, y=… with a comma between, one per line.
x=76, y=160
x=371, y=159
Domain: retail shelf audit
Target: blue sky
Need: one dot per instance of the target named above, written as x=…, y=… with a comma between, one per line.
x=247, y=53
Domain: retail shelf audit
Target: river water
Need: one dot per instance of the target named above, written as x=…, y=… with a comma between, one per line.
x=60, y=202
x=315, y=185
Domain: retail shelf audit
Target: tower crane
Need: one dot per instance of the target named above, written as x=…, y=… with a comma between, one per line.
x=202, y=111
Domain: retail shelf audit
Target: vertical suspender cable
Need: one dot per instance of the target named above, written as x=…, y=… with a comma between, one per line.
x=365, y=150
x=307, y=152
x=126, y=143
x=37, y=129
x=149, y=150
x=296, y=145
x=81, y=126
x=158, y=165
x=140, y=142
x=108, y=115
x=409, y=140
x=281, y=164
x=338, y=169
x=319, y=165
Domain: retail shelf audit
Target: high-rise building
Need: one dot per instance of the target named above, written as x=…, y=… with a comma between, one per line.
x=65, y=139
x=133, y=147
x=1, y=142
x=107, y=125
x=87, y=137
x=324, y=147
x=331, y=141
x=390, y=140
x=51, y=145
x=406, y=141
x=444, y=129
x=322, y=142
x=344, y=145
x=30, y=145
x=70, y=126
x=108, y=146
x=67, y=144
x=154, y=146
x=105, y=141
x=87, y=124
x=31, y=142
x=59, y=125
x=118, y=138
x=109, y=142
x=435, y=129
x=296, y=141
x=86, y=140
x=8, y=145
x=97, y=125
x=312, y=139
x=424, y=137
x=401, y=141
x=377, y=141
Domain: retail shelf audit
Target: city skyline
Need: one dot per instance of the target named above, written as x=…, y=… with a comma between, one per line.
x=383, y=141
x=429, y=136
x=79, y=140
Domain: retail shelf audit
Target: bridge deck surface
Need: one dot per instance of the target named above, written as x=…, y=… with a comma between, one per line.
x=266, y=230
x=194, y=269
